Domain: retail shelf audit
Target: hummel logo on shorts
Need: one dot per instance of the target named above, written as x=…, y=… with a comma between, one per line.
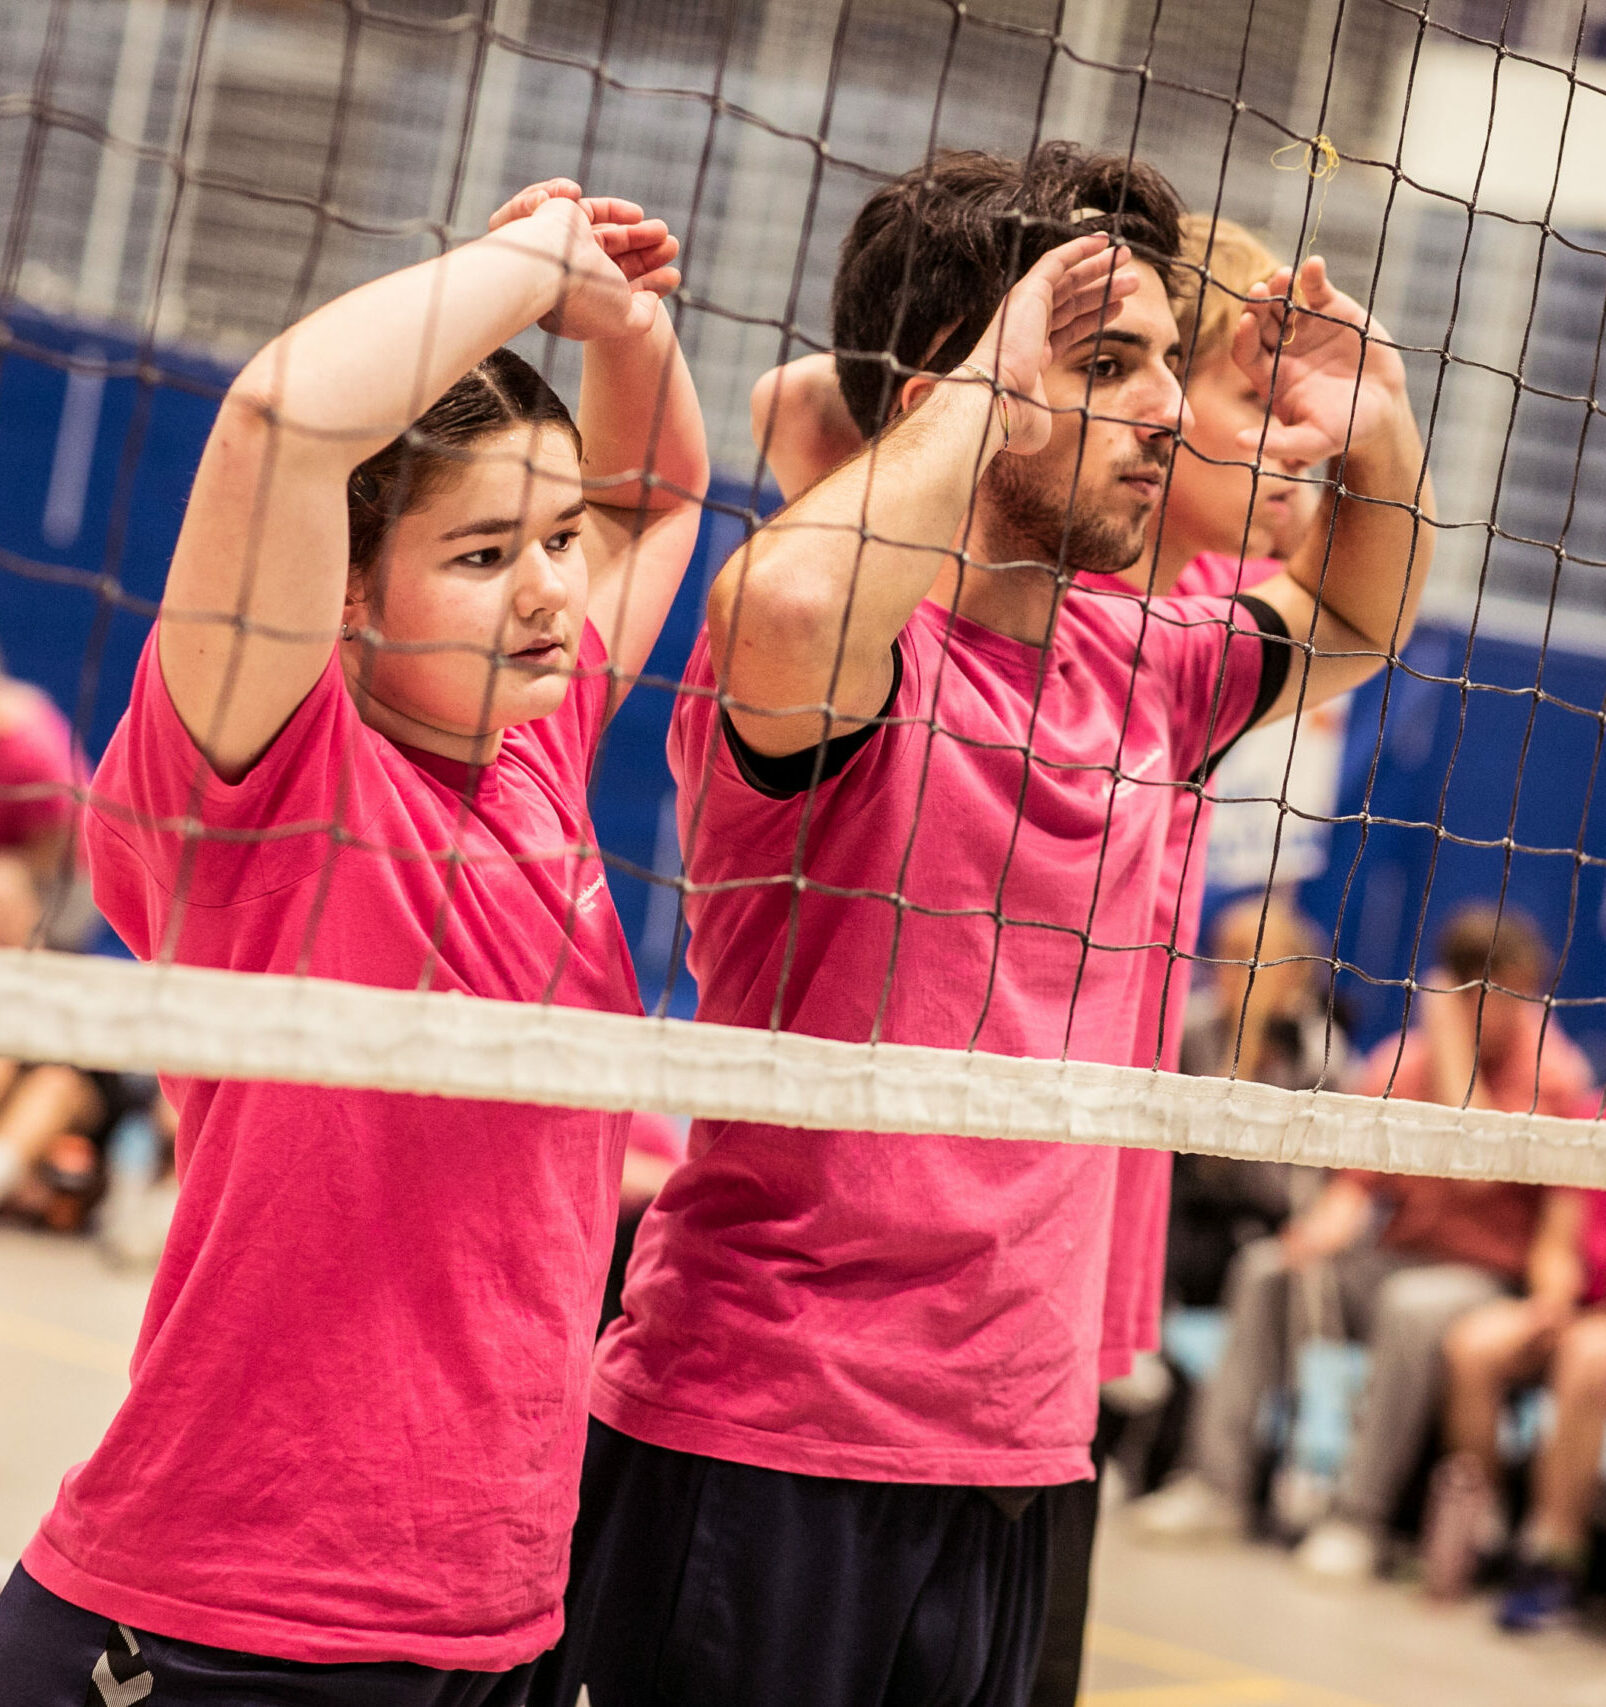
x=120, y=1677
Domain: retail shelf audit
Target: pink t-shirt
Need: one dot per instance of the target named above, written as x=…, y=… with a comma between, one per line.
x=358, y=1402
x=39, y=767
x=919, y=1309
x=1135, y=1288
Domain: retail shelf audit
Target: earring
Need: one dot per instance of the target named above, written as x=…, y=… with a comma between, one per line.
x=345, y=631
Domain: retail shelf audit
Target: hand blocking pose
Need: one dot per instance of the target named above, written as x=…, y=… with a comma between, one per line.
x=358, y=748
x=925, y=788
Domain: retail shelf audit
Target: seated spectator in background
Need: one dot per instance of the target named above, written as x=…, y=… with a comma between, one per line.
x=54, y=1120
x=1276, y=1029
x=1557, y=1335
x=1444, y=1248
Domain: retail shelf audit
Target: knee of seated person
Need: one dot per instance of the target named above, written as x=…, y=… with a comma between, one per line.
x=1419, y=1301
x=1478, y=1344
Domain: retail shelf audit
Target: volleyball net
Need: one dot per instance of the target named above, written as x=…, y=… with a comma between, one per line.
x=185, y=178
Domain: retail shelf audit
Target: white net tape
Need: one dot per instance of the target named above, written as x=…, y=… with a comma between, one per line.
x=185, y=1020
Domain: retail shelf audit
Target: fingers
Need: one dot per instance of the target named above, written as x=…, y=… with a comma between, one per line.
x=642, y=310
x=1314, y=285
x=1089, y=293
x=1259, y=334
x=1080, y=327
x=639, y=263
x=1085, y=288
x=661, y=281
x=1065, y=256
x=613, y=210
x=1294, y=441
x=620, y=240
x=600, y=210
x=531, y=197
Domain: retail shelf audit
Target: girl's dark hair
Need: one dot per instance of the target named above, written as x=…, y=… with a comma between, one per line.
x=503, y=391
x=935, y=251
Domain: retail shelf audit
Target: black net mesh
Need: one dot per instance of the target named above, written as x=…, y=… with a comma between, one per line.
x=183, y=179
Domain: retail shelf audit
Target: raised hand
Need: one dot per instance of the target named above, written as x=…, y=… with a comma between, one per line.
x=1067, y=296
x=633, y=249
x=1333, y=379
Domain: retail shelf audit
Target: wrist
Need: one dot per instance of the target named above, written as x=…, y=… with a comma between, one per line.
x=973, y=373
x=1391, y=452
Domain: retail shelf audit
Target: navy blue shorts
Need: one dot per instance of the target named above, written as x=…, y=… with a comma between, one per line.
x=696, y=1582
x=54, y=1654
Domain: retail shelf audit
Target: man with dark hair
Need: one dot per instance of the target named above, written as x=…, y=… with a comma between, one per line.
x=925, y=780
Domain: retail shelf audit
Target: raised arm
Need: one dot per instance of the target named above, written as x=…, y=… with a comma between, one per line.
x=806, y=614
x=1337, y=388
x=646, y=456
x=801, y=422
x=253, y=600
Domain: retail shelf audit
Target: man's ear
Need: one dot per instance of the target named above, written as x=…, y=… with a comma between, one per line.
x=916, y=389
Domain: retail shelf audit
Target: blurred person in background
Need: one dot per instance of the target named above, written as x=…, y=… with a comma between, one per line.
x=1263, y=1016
x=1557, y=1336
x=54, y=1119
x=1552, y=1549
x=1400, y=1258
x=40, y=775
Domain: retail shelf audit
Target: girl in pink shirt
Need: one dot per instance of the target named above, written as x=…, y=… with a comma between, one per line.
x=358, y=748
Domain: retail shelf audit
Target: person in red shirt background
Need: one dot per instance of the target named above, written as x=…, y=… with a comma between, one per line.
x=1443, y=1249
x=1558, y=1336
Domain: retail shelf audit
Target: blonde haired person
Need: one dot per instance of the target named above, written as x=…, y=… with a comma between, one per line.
x=1216, y=502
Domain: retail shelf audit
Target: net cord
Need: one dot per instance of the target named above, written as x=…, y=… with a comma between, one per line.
x=196, y=1022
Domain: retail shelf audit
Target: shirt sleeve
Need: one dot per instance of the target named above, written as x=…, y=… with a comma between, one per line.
x=162, y=823
x=781, y=775
x=1224, y=662
x=704, y=744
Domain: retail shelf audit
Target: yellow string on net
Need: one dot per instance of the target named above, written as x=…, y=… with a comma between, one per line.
x=1319, y=160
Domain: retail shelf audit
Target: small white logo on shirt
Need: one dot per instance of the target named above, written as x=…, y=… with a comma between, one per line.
x=589, y=894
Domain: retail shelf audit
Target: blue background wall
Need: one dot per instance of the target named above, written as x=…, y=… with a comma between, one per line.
x=1513, y=756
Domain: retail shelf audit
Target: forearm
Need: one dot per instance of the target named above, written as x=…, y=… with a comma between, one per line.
x=342, y=383
x=1555, y=1274
x=639, y=416
x=1369, y=567
x=801, y=423
x=1333, y=1223
x=841, y=571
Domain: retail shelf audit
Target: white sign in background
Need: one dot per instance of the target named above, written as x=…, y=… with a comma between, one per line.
x=1252, y=801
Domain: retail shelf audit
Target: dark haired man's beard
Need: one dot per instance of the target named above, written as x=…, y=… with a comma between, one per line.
x=1026, y=523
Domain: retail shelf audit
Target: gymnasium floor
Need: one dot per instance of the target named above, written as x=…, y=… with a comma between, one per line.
x=1229, y=1627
